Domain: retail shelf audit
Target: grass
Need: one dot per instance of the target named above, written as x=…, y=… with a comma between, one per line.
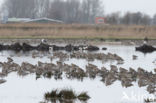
x=65, y=94
x=76, y=31
x=50, y=95
x=149, y=100
x=83, y=96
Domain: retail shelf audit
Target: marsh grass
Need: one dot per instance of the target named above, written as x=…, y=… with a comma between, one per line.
x=76, y=31
x=148, y=100
x=51, y=95
x=83, y=96
x=65, y=95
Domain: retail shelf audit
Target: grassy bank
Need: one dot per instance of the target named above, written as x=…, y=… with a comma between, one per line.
x=75, y=31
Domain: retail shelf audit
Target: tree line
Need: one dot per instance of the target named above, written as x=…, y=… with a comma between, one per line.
x=130, y=18
x=69, y=11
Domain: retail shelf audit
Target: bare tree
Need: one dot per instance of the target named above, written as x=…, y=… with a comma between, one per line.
x=113, y=18
x=127, y=19
x=42, y=8
x=136, y=18
x=146, y=20
x=91, y=9
x=20, y=8
x=154, y=19
x=70, y=11
x=57, y=10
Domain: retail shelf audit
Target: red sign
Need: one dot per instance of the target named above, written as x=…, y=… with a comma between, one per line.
x=99, y=20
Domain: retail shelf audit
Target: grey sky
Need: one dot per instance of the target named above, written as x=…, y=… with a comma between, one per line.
x=1, y=1
x=146, y=6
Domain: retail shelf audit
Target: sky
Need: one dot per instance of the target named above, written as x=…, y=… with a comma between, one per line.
x=145, y=6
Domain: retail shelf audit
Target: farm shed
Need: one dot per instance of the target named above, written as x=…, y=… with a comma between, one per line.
x=17, y=20
x=44, y=20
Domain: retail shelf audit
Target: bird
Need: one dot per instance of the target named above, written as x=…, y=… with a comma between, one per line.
x=43, y=41
x=10, y=60
x=51, y=49
x=154, y=61
x=145, y=40
x=134, y=57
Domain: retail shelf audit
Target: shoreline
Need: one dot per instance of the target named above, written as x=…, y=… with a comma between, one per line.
x=80, y=41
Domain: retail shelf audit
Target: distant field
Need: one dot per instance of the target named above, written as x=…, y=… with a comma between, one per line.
x=76, y=31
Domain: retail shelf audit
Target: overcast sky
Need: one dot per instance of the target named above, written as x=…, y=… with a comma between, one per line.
x=1, y=1
x=145, y=6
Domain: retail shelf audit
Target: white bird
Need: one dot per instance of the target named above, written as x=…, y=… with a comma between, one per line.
x=85, y=47
x=145, y=40
x=43, y=41
x=51, y=50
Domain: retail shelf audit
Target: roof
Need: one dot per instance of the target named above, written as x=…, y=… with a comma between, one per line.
x=18, y=19
x=44, y=19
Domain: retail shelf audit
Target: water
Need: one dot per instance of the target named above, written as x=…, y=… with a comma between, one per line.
x=29, y=90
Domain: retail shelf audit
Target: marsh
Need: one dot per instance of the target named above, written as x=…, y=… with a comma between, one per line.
x=23, y=86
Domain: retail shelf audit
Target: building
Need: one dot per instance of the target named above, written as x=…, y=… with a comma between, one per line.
x=99, y=20
x=44, y=20
x=28, y=20
x=17, y=20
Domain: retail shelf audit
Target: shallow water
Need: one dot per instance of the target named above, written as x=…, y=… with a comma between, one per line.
x=29, y=90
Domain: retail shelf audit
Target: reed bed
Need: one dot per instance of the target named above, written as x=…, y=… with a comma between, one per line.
x=80, y=31
x=65, y=94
